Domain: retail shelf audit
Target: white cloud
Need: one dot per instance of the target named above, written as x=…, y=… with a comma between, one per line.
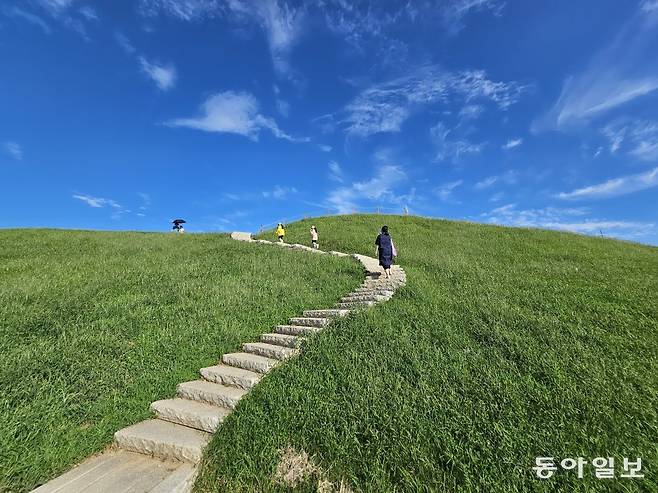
x=280, y=21
x=14, y=150
x=615, y=187
x=124, y=42
x=384, y=107
x=456, y=10
x=187, y=10
x=335, y=171
x=649, y=5
x=325, y=148
x=564, y=219
x=509, y=177
x=470, y=112
x=444, y=191
x=626, y=69
x=451, y=149
x=163, y=75
x=641, y=137
x=233, y=112
x=34, y=19
x=512, y=143
x=362, y=22
x=281, y=24
x=279, y=192
x=66, y=13
x=381, y=187
x=89, y=13
x=97, y=202
x=486, y=183
x=55, y=7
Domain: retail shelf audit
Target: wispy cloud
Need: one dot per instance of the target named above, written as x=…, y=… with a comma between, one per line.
x=649, y=5
x=384, y=107
x=279, y=192
x=164, y=75
x=456, y=10
x=88, y=12
x=615, y=187
x=380, y=187
x=187, y=10
x=68, y=13
x=451, y=149
x=335, y=171
x=55, y=7
x=97, y=202
x=444, y=192
x=280, y=21
x=233, y=112
x=624, y=70
x=124, y=42
x=509, y=177
x=638, y=137
x=512, y=143
x=565, y=219
x=325, y=148
x=364, y=22
x=486, y=183
x=14, y=149
x=34, y=19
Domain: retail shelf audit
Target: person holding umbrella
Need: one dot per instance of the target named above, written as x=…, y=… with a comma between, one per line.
x=178, y=225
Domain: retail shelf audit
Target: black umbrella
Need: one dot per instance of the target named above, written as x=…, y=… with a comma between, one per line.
x=179, y=221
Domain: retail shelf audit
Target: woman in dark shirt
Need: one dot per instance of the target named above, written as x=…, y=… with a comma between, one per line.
x=385, y=250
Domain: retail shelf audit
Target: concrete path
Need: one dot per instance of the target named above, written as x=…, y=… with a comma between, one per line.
x=160, y=455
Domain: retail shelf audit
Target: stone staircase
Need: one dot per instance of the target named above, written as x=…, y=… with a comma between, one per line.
x=160, y=454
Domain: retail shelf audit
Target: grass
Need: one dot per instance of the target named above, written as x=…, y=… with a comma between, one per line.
x=94, y=326
x=506, y=344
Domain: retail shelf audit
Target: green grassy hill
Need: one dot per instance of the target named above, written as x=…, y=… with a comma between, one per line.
x=506, y=344
x=96, y=326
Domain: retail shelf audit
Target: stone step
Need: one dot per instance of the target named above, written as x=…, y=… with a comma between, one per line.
x=356, y=305
x=282, y=340
x=231, y=376
x=211, y=393
x=193, y=414
x=269, y=350
x=383, y=286
x=363, y=297
x=383, y=280
x=163, y=439
x=310, y=321
x=241, y=236
x=382, y=291
x=297, y=330
x=330, y=313
x=251, y=362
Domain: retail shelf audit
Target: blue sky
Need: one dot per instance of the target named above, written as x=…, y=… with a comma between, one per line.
x=234, y=114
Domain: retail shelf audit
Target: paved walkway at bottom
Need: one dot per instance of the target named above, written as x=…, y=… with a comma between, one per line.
x=121, y=471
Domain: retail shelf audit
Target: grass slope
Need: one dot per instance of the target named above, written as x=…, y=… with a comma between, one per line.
x=95, y=326
x=506, y=344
